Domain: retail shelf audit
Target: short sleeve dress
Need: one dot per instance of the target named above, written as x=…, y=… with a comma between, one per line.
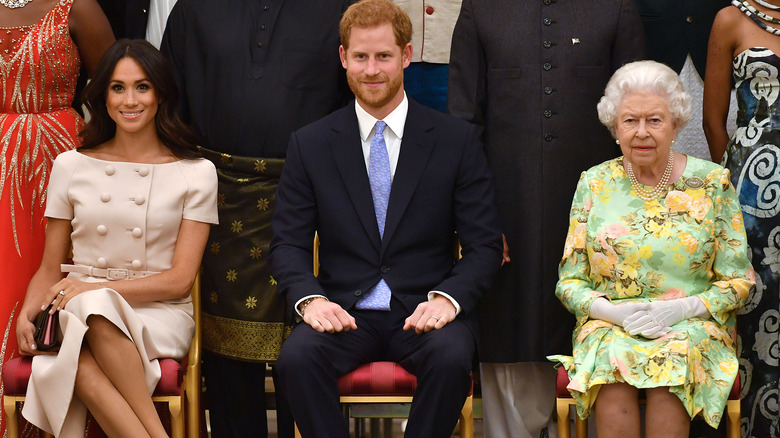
x=689, y=243
x=125, y=216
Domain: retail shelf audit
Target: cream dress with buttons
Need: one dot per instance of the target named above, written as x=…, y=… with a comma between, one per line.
x=124, y=215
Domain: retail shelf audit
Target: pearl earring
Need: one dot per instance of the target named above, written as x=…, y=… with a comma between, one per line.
x=617, y=141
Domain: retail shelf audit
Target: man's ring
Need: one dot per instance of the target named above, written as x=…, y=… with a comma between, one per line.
x=62, y=292
x=435, y=317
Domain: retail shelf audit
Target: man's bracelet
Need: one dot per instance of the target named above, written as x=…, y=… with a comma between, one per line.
x=307, y=301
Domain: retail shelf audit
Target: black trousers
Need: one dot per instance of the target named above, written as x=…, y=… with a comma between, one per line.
x=311, y=362
x=236, y=393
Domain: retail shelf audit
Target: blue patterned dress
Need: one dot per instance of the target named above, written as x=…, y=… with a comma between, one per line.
x=753, y=156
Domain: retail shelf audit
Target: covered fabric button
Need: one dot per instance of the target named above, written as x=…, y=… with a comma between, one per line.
x=101, y=262
x=137, y=232
x=102, y=230
x=105, y=197
x=140, y=199
x=143, y=171
x=110, y=170
x=137, y=264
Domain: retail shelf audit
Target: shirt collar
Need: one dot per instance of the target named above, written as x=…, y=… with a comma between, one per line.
x=396, y=120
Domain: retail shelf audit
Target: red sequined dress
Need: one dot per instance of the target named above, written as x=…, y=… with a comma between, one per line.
x=39, y=66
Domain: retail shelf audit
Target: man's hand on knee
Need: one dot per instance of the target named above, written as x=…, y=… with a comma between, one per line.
x=430, y=315
x=325, y=316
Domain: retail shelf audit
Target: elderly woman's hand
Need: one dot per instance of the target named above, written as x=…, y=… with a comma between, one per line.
x=617, y=314
x=663, y=314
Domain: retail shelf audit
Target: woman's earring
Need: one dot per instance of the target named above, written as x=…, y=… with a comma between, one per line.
x=617, y=141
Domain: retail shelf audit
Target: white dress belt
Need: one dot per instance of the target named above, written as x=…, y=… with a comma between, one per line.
x=107, y=273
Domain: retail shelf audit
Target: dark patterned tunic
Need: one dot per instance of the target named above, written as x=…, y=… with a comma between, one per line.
x=753, y=156
x=250, y=72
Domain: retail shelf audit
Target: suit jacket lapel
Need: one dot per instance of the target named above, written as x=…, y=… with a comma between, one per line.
x=348, y=154
x=416, y=148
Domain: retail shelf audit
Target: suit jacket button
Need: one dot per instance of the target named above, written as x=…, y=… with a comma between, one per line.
x=358, y=293
x=384, y=269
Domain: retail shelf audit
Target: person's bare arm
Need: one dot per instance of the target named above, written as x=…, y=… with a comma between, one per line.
x=55, y=252
x=91, y=31
x=717, y=83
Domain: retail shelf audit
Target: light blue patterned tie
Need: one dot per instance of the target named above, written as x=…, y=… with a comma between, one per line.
x=379, y=178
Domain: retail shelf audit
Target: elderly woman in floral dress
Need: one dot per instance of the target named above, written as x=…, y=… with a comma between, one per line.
x=654, y=267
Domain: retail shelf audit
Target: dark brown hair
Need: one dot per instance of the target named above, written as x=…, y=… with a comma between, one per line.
x=373, y=13
x=170, y=129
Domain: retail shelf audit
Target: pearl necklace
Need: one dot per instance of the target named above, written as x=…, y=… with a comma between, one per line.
x=660, y=188
x=767, y=4
x=13, y=4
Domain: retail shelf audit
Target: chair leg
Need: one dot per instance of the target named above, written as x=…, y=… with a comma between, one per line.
x=177, y=417
x=562, y=410
x=12, y=422
x=580, y=427
x=733, y=422
x=193, y=404
x=467, y=418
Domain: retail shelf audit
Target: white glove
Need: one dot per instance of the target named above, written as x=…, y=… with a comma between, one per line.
x=663, y=314
x=604, y=310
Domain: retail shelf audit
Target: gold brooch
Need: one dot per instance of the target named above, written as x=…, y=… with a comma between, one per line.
x=694, y=182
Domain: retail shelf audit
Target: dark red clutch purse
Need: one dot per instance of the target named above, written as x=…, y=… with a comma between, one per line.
x=46, y=328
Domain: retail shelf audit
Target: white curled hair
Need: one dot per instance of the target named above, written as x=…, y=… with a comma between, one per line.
x=644, y=77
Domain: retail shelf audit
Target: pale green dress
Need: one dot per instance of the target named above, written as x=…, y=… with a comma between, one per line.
x=691, y=242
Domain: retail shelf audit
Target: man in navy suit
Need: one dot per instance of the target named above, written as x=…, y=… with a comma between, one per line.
x=386, y=183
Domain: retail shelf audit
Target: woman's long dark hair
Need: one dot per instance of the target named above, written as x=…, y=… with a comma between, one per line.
x=170, y=129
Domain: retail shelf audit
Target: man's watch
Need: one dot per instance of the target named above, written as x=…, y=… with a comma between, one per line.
x=306, y=302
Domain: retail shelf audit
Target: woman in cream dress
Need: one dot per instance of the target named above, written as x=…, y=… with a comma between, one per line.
x=134, y=203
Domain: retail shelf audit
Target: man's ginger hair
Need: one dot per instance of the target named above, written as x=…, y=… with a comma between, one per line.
x=373, y=13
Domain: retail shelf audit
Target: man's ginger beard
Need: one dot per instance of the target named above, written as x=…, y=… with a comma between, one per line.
x=375, y=97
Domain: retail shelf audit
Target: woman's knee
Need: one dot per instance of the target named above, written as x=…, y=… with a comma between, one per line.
x=662, y=399
x=617, y=396
x=100, y=329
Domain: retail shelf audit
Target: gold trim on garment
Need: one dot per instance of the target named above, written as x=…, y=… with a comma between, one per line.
x=246, y=340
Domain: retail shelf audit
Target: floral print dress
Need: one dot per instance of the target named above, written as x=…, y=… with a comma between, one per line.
x=690, y=243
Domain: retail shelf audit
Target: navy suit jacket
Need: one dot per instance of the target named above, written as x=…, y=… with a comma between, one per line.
x=442, y=184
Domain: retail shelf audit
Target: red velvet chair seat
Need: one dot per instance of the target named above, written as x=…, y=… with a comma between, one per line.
x=378, y=379
x=16, y=375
